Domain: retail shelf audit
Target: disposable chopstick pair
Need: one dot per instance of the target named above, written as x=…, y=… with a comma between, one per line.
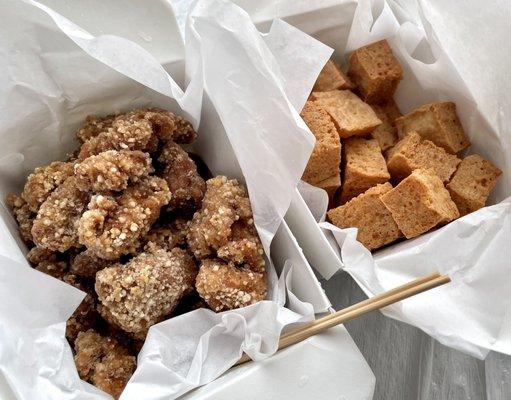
x=374, y=303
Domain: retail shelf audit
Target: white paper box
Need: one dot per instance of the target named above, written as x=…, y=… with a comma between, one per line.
x=46, y=105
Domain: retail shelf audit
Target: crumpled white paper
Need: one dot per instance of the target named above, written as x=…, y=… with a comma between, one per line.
x=239, y=87
x=473, y=313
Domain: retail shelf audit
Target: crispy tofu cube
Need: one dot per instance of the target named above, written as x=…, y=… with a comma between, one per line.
x=331, y=78
x=375, y=71
x=419, y=203
x=351, y=116
x=330, y=185
x=437, y=122
x=386, y=133
x=413, y=152
x=325, y=159
x=365, y=167
x=472, y=183
x=366, y=212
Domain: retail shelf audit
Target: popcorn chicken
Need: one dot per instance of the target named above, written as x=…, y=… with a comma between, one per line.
x=365, y=167
x=386, y=133
x=375, y=71
x=180, y=173
x=167, y=235
x=112, y=170
x=146, y=289
x=113, y=225
x=94, y=126
x=55, y=226
x=351, y=116
x=325, y=159
x=366, y=212
x=472, y=183
x=23, y=215
x=103, y=362
x=86, y=264
x=419, y=203
x=43, y=181
x=331, y=77
x=437, y=122
x=412, y=152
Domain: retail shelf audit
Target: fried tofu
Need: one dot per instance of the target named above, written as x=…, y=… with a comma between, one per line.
x=437, y=122
x=413, y=152
x=330, y=185
x=368, y=214
x=351, y=116
x=386, y=133
x=472, y=183
x=325, y=159
x=419, y=203
x=331, y=78
x=375, y=71
x=365, y=167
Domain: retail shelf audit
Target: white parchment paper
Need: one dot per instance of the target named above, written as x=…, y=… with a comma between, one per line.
x=473, y=313
x=238, y=88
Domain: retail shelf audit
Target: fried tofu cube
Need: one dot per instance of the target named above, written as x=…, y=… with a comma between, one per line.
x=472, y=183
x=365, y=167
x=325, y=159
x=437, y=122
x=366, y=212
x=419, y=203
x=351, y=116
x=375, y=71
x=331, y=77
x=330, y=185
x=413, y=152
x=386, y=133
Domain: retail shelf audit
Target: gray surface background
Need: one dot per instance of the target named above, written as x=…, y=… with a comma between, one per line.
x=408, y=364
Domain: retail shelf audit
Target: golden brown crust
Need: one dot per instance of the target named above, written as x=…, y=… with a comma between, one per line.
x=43, y=181
x=86, y=264
x=23, y=215
x=112, y=170
x=180, y=173
x=113, y=225
x=55, y=226
x=146, y=289
x=168, y=235
x=103, y=362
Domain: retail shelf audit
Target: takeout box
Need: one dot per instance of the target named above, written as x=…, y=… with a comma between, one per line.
x=472, y=313
x=56, y=74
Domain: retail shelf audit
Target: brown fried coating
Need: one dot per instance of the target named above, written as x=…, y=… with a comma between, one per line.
x=86, y=264
x=149, y=287
x=113, y=225
x=94, y=126
x=55, y=226
x=103, y=362
x=223, y=236
x=43, y=181
x=167, y=236
x=224, y=286
x=224, y=203
x=112, y=170
x=23, y=215
x=180, y=172
x=138, y=130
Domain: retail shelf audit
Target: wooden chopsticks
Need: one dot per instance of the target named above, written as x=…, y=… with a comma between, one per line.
x=374, y=303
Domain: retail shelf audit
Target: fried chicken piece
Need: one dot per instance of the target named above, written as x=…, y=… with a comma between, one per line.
x=43, y=181
x=86, y=264
x=103, y=362
x=23, y=215
x=114, y=225
x=180, y=172
x=224, y=286
x=94, y=126
x=55, y=226
x=149, y=287
x=48, y=261
x=139, y=130
x=224, y=203
x=167, y=236
x=112, y=170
